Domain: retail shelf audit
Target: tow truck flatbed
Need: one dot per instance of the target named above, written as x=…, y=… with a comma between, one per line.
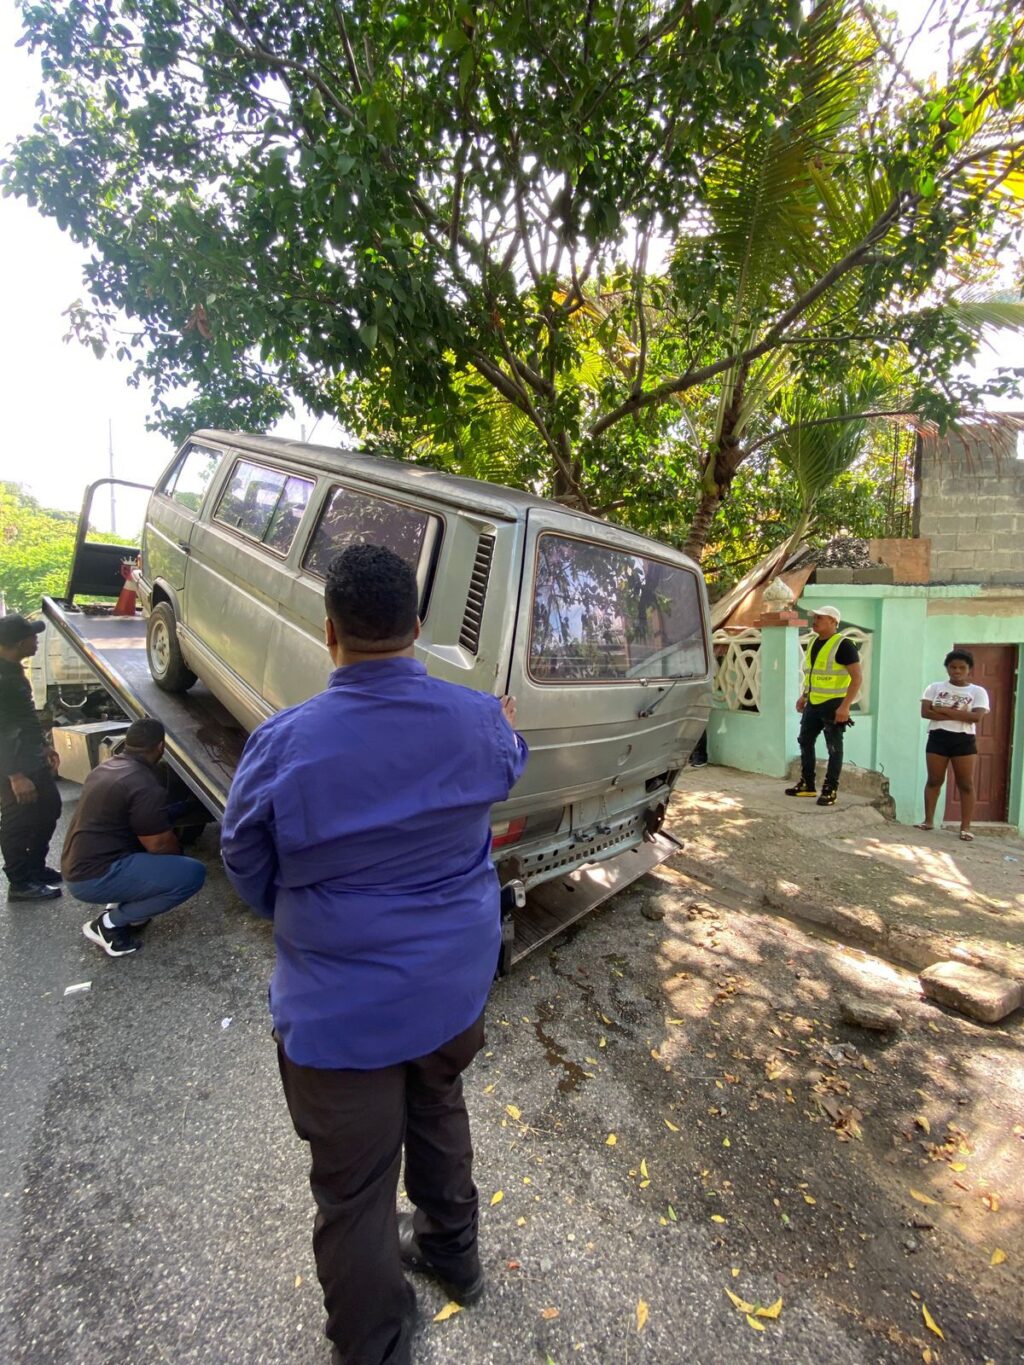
x=204, y=744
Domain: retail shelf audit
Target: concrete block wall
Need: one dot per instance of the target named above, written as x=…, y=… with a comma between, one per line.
x=970, y=506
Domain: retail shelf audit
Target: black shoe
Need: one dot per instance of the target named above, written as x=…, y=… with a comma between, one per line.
x=32, y=891
x=116, y=942
x=51, y=876
x=827, y=797
x=801, y=789
x=414, y=1258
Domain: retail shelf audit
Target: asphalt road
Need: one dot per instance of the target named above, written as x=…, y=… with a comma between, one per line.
x=153, y=1197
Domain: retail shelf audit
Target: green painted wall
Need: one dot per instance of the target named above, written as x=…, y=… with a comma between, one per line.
x=912, y=629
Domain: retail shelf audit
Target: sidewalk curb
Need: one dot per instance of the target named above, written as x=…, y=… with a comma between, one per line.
x=857, y=925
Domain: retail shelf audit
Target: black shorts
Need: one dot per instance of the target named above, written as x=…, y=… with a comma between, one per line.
x=950, y=744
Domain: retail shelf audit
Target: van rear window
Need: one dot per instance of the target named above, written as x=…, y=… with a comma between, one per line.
x=602, y=615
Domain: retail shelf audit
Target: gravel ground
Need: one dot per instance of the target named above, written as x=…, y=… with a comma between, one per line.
x=154, y=1199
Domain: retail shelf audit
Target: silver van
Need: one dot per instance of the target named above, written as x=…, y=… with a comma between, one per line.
x=601, y=634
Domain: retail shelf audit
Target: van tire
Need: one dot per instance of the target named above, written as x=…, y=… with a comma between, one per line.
x=166, y=662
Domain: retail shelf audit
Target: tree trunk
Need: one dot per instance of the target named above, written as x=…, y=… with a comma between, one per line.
x=700, y=527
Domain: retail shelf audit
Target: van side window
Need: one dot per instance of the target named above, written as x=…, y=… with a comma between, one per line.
x=351, y=518
x=604, y=615
x=264, y=504
x=191, y=476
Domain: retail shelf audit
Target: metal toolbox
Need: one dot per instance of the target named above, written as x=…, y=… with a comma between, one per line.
x=82, y=747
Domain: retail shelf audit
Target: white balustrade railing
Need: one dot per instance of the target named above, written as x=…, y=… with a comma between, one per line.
x=737, y=682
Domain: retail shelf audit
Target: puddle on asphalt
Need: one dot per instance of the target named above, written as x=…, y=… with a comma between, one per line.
x=554, y=1055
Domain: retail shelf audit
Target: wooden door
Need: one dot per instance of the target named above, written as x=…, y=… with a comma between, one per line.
x=995, y=669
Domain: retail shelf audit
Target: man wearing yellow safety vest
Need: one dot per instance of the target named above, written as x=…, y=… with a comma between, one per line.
x=832, y=678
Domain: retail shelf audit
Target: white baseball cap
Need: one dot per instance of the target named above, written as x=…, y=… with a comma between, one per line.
x=834, y=612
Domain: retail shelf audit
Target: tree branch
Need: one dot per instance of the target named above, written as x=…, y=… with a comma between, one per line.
x=775, y=334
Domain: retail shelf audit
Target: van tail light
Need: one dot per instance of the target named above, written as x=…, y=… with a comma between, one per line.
x=507, y=832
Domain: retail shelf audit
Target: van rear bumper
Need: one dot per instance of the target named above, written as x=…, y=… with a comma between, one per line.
x=569, y=851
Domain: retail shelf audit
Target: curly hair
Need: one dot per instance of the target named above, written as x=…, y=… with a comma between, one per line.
x=372, y=599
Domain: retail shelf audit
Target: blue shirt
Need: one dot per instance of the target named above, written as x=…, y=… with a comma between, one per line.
x=359, y=822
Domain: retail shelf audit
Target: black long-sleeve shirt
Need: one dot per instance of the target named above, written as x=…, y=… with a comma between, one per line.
x=22, y=748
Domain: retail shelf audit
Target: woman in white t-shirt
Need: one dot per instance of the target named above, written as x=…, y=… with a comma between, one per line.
x=952, y=709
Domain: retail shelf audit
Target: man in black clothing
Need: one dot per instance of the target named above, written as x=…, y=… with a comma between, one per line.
x=832, y=679
x=29, y=799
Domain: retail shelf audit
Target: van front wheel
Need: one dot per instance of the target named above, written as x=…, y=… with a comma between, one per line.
x=166, y=662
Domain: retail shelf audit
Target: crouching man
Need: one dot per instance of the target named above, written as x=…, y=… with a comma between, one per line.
x=359, y=822
x=120, y=851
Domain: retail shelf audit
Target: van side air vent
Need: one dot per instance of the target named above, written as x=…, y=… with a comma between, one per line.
x=469, y=635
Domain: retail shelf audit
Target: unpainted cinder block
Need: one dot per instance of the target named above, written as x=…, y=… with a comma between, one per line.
x=981, y=994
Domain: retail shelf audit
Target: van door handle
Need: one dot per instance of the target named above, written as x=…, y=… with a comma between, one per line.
x=184, y=547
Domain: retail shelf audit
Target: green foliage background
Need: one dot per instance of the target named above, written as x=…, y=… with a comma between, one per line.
x=36, y=544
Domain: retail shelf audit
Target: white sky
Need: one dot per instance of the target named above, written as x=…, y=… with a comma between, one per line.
x=58, y=398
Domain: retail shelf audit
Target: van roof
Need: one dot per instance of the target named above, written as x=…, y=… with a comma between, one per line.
x=473, y=495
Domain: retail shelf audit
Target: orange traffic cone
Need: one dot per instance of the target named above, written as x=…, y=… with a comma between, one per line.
x=126, y=601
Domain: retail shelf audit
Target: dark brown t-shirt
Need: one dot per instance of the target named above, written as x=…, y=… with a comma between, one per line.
x=121, y=799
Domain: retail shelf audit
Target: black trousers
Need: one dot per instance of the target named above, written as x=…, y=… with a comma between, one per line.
x=356, y=1123
x=26, y=829
x=814, y=721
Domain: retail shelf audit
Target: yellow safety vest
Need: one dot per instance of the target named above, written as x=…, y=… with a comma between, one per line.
x=825, y=680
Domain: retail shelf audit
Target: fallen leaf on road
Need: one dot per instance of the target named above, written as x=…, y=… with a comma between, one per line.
x=739, y=1303
x=448, y=1311
x=922, y=1122
x=675, y=1021
x=672, y=1128
x=958, y=1165
x=672, y=1214
x=753, y=1322
x=298, y=1278
x=497, y=1197
x=717, y=1218
x=923, y=1198
x=641, y=1315
x=643, y=1169
x=513, y=1111
x=998, y=1257
x=772, y=1311
x=602, y=1042
x=520, y=1222
x=809, y=1199
x=550, y=1313
x=610, y=1140
x=930, y=1322
x=991, y=1202
x=735, y=1271
x=726, y=1142
x=488, y=1088
x=512, y=1265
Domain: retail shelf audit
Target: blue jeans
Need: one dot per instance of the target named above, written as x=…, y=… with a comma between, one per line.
x=142, y=885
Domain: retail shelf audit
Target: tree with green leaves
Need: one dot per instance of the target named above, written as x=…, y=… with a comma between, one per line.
x=36, y=546
x=642, y=230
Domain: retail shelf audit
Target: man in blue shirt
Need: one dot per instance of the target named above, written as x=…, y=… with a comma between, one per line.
x=359, y=822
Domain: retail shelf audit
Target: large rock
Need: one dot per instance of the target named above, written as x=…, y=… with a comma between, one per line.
x=855, y=1009
x=973, y=991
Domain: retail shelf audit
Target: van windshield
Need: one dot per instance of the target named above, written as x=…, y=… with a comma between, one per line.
x=603, y=615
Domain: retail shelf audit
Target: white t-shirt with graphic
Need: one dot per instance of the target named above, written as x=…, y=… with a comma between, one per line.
x=967, y=698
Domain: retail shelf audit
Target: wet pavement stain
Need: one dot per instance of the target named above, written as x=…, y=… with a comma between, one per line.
x=555, y=1056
